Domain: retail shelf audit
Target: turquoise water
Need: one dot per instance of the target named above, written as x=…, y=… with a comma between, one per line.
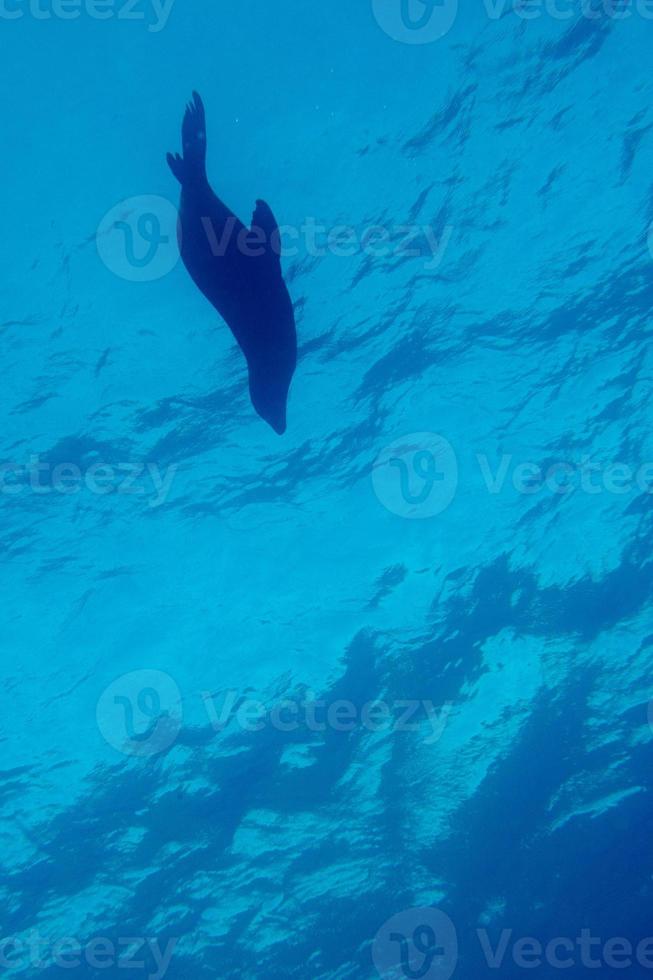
x=372, y=697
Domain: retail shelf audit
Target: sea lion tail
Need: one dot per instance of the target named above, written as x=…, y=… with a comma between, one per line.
x=193, y=137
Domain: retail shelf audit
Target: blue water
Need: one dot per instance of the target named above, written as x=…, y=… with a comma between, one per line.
x=457, y=522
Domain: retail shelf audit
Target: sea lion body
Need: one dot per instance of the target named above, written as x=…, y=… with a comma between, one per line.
x=239, y=271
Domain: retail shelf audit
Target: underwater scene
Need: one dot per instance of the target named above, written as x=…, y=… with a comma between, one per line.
x=327, y=489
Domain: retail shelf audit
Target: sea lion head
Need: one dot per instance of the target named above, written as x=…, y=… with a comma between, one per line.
x=268, y=387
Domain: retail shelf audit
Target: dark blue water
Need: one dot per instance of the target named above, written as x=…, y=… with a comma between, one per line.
x=370, y=698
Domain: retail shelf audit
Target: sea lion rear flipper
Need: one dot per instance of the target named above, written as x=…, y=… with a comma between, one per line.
x=176, y=164
x=265, y=221
x=193, y=139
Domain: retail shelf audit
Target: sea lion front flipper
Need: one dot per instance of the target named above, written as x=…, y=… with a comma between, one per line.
x=264, y=224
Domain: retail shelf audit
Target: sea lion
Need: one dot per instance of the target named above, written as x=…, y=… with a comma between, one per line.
x=239, y=271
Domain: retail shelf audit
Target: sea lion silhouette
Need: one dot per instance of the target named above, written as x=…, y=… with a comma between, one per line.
x=239, y=271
